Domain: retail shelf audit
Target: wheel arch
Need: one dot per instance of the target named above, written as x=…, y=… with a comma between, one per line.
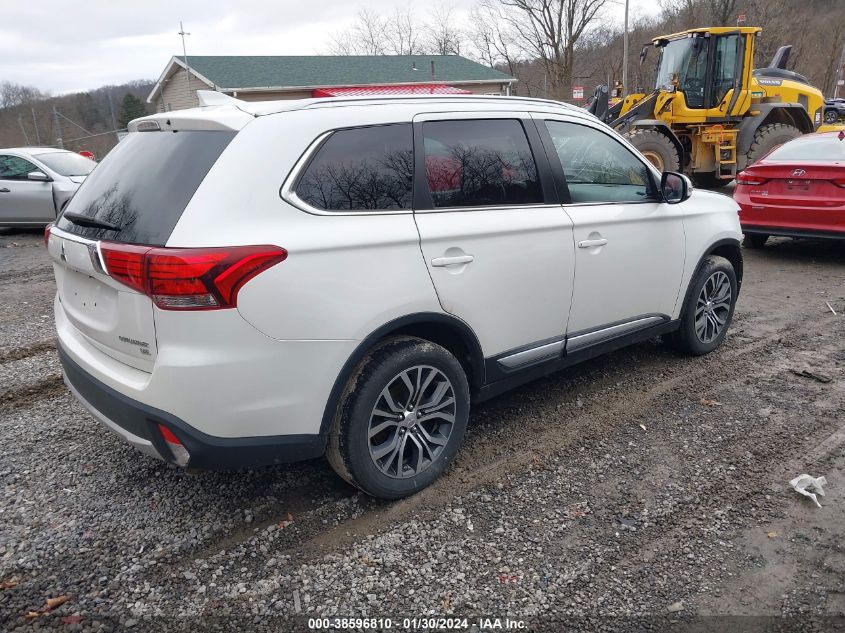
x=445, y=330
x=793, y=114
x=730, y=249
x=661, y=126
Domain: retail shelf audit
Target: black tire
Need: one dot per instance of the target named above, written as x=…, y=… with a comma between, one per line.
x=349, y=450
x=767, y=137
x=657, y=148
x=686, y=339
x=707, y=180
x=831, y=116
x=754, y=240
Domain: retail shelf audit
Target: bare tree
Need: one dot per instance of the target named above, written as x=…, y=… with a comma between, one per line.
x=372, y=34
x=549, y=31
x=443, y=36
x=365, y=37
x=723, y=11
x=492, y=38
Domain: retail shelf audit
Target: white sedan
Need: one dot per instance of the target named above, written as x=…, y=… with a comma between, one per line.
x=36, y=182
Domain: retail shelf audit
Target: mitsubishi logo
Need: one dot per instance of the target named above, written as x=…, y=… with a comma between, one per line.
x=798, y=173
x=62, y=255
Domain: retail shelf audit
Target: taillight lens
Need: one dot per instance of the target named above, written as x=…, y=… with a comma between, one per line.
x=750, y=179
x=47, y=233
x=189, y=278
x=839, y=182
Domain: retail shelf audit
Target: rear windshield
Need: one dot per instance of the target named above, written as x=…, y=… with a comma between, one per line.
x=143, y=185
x=67, y=163
x=825, y=148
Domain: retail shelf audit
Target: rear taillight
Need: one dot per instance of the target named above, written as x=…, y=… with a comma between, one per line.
x=189, y=278
x=47, y=234
x=750, y=179
x=839, y=182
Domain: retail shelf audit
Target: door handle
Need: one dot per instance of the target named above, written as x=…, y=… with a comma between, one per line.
x=439, y=262
x=5, y=190
x=591, y=243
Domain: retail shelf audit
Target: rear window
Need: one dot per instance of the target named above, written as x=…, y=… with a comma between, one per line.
x=144, y=184
x=361, y=169
x=825, y=148
x=67, y=163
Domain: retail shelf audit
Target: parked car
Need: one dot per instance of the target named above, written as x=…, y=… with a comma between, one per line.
x=834, y=109
x=797, y=190
x=279, y=280
x=36, y=182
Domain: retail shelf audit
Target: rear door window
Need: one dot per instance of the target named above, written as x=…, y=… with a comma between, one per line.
x=144, y=184
x=361, y=169
x=480, y=163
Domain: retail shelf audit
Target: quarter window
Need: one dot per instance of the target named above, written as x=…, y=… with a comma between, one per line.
x=361, y=169
x=15, y=168
x=597, y=167
x=480, y=163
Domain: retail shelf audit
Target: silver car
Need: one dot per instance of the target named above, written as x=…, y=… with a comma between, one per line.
x=36, y=182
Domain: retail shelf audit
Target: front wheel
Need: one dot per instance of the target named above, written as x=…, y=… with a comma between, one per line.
x=401, y=419
x=709, y=307
x=657, y=148
x=831, y=117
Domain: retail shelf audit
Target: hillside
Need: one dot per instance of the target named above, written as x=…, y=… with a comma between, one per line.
x=26, y=116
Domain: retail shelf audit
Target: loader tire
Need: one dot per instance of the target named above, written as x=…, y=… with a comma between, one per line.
x=768, y=137
x=657, y=148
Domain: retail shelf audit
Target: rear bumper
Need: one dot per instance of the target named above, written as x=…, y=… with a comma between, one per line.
x=780, y=231
x=137, y=423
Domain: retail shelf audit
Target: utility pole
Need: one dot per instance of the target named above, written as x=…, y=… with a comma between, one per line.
x=111, y=110
x=57, y=128
x=23, y=130
x=35, y=125
x=840, y=73
x=185, y=57
x=625, y=87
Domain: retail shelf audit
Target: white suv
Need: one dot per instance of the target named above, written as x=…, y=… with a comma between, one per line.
x=255, y=283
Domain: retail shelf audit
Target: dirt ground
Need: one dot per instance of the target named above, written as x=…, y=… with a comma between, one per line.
x=639, y=491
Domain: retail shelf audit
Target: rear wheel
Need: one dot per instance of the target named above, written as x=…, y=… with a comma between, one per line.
x=657, y=148
x=754, y=240
x=831, y=117
x=402, y=418
x=709, y=307
x=768, y=137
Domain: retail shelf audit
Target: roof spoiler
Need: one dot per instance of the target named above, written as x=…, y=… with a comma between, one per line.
x=213, y=98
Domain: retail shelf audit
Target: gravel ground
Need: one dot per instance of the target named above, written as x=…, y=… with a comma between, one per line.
x=639, y=491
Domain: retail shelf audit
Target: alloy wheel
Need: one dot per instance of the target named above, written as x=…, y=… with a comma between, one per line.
x=713, y=307
x=411, y=421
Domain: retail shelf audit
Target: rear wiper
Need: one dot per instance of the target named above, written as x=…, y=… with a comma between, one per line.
x=84, y=220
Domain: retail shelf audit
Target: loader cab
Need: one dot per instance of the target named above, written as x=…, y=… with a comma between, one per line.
x=703, y=66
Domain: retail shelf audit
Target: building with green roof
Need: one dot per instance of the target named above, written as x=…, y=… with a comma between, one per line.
x=260, y=78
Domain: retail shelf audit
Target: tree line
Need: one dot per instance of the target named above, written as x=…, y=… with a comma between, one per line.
x=552, y=45
x=548, y=45
x=83, y=120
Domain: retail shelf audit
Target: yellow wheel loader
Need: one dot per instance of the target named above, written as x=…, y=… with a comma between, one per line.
x=711, y=114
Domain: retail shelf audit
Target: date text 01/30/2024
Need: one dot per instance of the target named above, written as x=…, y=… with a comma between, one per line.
x=421, y=623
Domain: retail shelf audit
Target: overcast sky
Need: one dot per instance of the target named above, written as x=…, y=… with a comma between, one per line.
x=59, y=46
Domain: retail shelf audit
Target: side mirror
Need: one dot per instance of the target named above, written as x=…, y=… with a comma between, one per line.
x=39, y=176
x=675, y=187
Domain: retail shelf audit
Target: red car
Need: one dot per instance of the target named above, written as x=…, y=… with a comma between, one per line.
x=797, y=190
